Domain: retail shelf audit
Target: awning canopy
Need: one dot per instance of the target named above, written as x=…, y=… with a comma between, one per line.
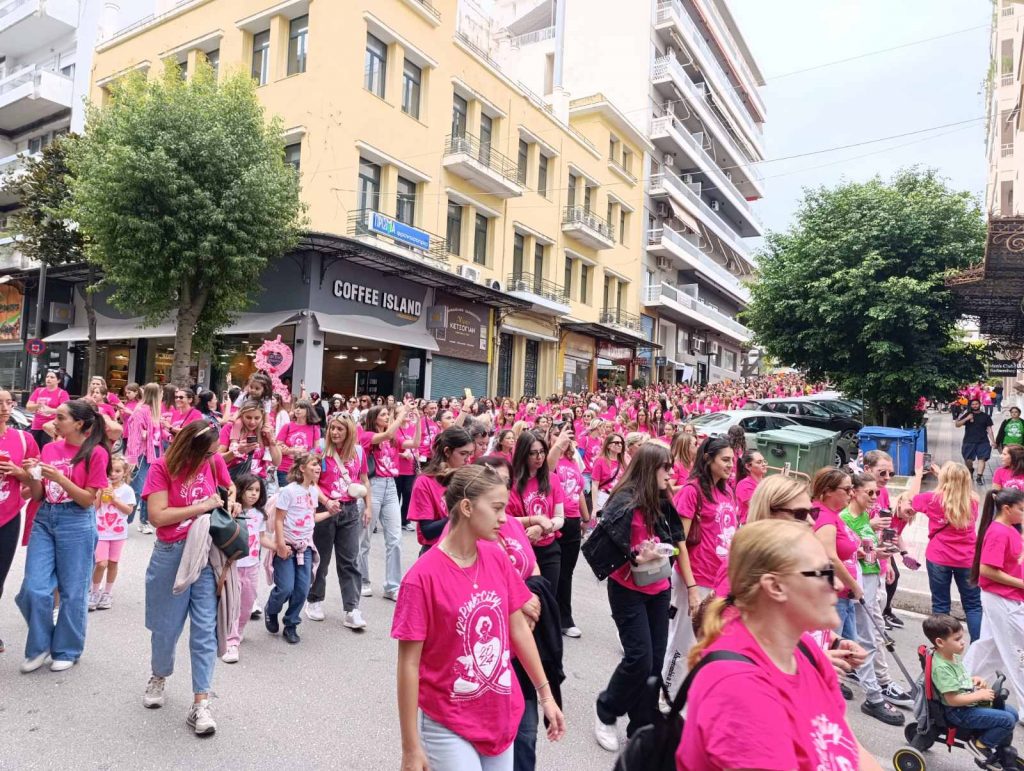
x=258, y=323
x=371, y=329
x=129, y=329
x=610, y=333
x=684, y=216
x=511, y=330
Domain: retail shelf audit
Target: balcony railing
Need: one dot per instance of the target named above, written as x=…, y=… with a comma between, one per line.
x=578, y=215
x=426, y=6
x=1006, y=150
x=532, y=283
x=484, y=153
x=1006, y=80
x=537, y=36
x=621, y=318
x=1008, y=11
x=436, y=253
x=622, y=170
x=658, y=292
x=718, y=275
x=731, y=49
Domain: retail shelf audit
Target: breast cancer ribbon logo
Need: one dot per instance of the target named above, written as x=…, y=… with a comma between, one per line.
x=484, y=663
x=275, y=357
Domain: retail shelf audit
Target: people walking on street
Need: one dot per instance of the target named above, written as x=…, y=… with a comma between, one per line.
x=878, y=464
x=113, y=505
x=252, y=497
x=978, y=438
x=536, y=498
x=1011, y=472
x=143, y=446
x=607, y=468
x=452, y=449
x=565, y=462
x=247, y=443
x=833, y=489
x=1011, y=430
x=43, y=404
x=750, y=471
x=298, y=437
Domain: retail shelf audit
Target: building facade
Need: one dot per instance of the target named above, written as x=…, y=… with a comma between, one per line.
x=1004, y=195
x=464, y=231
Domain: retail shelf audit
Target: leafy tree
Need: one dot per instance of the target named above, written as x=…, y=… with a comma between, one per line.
x=47, y=235
x=183, y=192
x=854, y=292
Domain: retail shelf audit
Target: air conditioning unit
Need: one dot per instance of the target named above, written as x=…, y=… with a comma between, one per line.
x=664, y=263
x=714, y=349
x=495, y=284
x=469, y=272
x=716, y=206
x=688, y=179
x=670, y=161
x=662, y=210
x=697, y=347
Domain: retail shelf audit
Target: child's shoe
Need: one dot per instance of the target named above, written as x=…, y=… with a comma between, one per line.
x=230, y=655
x=106, y=601
x=290, y=635
x=94, y=599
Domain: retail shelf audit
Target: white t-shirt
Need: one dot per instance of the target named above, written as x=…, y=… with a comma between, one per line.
x=256, y=522
x=299, y=504
x=111, y=524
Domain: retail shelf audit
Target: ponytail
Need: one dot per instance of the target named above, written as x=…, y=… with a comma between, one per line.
x=995, y=500
x=710, y=630
x=94, y=429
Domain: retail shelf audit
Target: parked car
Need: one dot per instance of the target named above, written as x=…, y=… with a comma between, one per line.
x=20, y=419
x=719, y=423
x=809, y=413
x=840, y=407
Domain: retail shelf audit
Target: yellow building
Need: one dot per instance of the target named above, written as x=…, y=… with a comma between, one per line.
x=464, y=232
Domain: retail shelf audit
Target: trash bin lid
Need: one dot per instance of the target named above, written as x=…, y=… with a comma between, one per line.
x=885, y=432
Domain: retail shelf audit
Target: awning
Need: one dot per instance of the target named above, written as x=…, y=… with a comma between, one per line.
x=615, y=335
x=258, y=323
x=508, y=329
x=113, y=329
x=683, y=216
x=371, y=329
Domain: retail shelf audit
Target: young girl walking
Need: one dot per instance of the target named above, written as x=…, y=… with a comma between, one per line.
x=452, y=450
x=252, y=495
x=113, y=505
x=607, y=468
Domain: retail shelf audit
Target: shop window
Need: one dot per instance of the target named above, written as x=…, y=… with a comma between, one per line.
x=412, y=79
x=369, y=185
x=454, y=230
x=376, y=64
x=405, y=210
x=480, y=233
x=298, y=45
x=261, y=57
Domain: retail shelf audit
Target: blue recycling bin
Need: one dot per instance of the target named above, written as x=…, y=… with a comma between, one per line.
x=900, y=443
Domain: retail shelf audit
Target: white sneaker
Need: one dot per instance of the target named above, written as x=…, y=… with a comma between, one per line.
x=315, y=611
x=230, y=655
x=354, y=620
x=392, y=595
x=141, y=527
x=106, y=601
x=154, y=697
x=60, y=665
x=94, y=599
x=200, y=719
x=367, y=591
x=607, y=735
x=573, y=632
x=31, y=665
x=148, y=529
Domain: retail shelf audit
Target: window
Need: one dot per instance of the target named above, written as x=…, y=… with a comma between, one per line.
x=376, y=66
x=213, y=59
x=613, y=145
x=293, y=155
x=480, y=240
x=453, y=234
x=486, y=131
x=369, y=185
x=68, y=71
x=588, y=197
x=36, y=144
x=298, y=44
x=607, y=290
x=608, y=213
x=538, y=266
x=518, y=246
x=572, y=191
x=542, y=175
x=620, y=303
x=460, y=111
x=412, y=78
x=261, y=57
x=568, y=276
x=405, y=209
x=524, y=156
x=622, y=226
x=584, y=283
x=627, y=160
x=183, y=70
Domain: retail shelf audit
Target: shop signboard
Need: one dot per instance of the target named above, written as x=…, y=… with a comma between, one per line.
x=464, y=335
x=612, y=352
x=1002, y=368
x=359, y=291
x=404, y=234
x=12, y=301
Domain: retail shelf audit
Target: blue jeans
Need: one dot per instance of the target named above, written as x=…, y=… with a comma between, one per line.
x=994, y=726
x=847, y=610
x=282, y=478
x=387, y=511
x=524, y=755
x=60, y=556
x=291, y=585
x=447, y=751
x=138, y=482
x=166, y=613
x=939, y=579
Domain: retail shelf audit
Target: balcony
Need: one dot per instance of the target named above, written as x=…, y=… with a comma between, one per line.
x=622, y=171
x=32, y=94
x=384, y=232
x=481, y=164
x=588, y=228
x=1006, y=150
x=12, y=168
x=425, y=9
x=615, y=317
x=729, y=46
x=684, y=248
x=668, y=298
x=529, y=38
x=29, y=25
x=669, y=134
x=546, y=296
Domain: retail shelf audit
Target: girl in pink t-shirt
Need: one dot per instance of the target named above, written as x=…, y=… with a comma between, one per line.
x=43, y=403
x=60, y=550
x=537, y=500
x=297, y=437
x=998, y=571
x=1011, y=473
x=15, y=447
x=606, y=469
x=452, y=450
x=459, y=621
x=252, y=497
x=566, y=466
x=113, y=505
x=684, y=454
x=750, y=471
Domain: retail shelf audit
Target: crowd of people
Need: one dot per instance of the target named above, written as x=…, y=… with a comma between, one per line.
x=707, y=557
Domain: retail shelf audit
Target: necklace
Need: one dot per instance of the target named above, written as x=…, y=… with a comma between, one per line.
x=462, y=569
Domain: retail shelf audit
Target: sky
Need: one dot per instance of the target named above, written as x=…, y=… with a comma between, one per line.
x=916, y=87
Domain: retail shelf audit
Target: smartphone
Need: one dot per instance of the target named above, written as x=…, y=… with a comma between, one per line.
x=468, y=392
x=888, y=535
x=926, y=461
x=251, y=439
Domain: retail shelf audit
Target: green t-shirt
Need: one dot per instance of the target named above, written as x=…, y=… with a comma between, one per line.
x=1013, y=431
x=950, y=676
x=861, y=525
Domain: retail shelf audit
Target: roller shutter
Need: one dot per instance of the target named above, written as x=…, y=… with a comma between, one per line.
x=451, y=377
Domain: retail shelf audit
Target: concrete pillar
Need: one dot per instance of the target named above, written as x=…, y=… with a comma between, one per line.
x=308, y=365
x=278, y=47
x=191, y=60
x=467, y=237
x=393, y=84
x=388, y=190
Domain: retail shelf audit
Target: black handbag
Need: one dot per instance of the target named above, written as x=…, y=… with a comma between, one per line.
x=230, y=534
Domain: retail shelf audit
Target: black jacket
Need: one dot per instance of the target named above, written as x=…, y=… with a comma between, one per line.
x=548, y=636
x=608, y=548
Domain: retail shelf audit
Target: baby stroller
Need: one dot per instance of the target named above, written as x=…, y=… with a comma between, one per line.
x=930, y=724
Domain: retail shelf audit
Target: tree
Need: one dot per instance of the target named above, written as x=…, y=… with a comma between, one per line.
x=182, y=190
x=47, y=235
x=854, y=292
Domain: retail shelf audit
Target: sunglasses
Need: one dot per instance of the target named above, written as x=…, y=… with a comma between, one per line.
x=886, y=474
x=829, y=574
x=800, y=514
x=617, y=441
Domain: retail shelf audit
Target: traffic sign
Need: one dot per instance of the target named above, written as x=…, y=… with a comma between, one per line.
x=35, y=347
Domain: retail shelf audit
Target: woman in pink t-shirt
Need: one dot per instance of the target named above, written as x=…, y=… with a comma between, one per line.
x=750, y=471
x=607, y=469
x=297, y=437
x=182, y=412
x=537, y=500
x=249, y=437
x=564, y=462
x=43, y=403
x=952, y=511
x=182, y=486
x=998, y=571
x=782, y=707
x=458, y=621
x=452, y=450
x=1011, y=473
x=60, y=550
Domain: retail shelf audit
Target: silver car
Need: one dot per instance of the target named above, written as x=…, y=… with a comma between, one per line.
x=752, y=423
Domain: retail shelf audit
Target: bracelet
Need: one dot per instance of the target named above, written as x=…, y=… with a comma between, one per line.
x=691, y=586
x=538, y=687
x=546, y=699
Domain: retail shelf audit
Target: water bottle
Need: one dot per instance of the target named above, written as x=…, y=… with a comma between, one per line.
x=666, y=550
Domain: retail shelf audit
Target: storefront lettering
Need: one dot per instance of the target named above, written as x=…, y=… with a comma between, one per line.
x=360, y=293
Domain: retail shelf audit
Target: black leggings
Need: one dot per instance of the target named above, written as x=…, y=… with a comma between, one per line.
x=404, y=485
x=890, y=589
x=569, y=544
x=8, y=546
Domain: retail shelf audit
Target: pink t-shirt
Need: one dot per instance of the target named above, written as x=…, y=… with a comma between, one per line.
x=1000, y=549
x=512, y=536
x=466, y=682
x=385, y=454
x=718, y=522
x=571, y=479
x=111, y=523
x=259, y=465
x=336, y=477
x=531, y=502
x=255, y=523
x=950, y=546
x=298, y=503
x=406, y=458
x=744, y=492
x=297, y=437
x=1004, y=478
x=183, y=491
x=623, y=576
x=52, y=399
x=18, y=445
x=605, y=473
x=428, y=432
x=680, y=473
x=426, y=504
x=591, y=449
x=847, y=541
x=59, y=454
x=742, y=715
x=179, y=419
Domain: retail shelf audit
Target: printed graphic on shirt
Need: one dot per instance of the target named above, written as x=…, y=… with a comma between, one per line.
x=835, y=750
x=299, y=525
x=192, y=491
x=571, y=484
x=484, y=665
x=54, y=492
x=536, y=504
x=385, y=460
x=516, y=553
x=728, y=520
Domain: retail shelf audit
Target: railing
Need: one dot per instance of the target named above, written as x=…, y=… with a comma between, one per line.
x=1006, y=80
x=1008, y=11
x=719, y=275
x=578, y=215
x=622, y=170
x=437, y=254
x=1006, y=150
x=732, y=50
x=533, y=284
x=657, y=292
x=426, y=6
x=621, y=318
x=529, y=38
x=484, y=153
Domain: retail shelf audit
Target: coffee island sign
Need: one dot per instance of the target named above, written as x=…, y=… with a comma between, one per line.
x=378, y=298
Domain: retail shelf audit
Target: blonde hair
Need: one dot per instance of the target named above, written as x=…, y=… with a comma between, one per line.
x=684, y=449
x=773, y=492
x=955, y=492
x=759, y=548
x=346, y=450
x=467, y=483
x=127, y=469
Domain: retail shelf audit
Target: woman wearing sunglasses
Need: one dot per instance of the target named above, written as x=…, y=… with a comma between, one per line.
x=878, y=464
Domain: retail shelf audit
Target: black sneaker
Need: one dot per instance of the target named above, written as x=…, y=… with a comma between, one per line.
x=271, y=623
x=882, y=711
x=989, y=757
x=290, y=635
x=2, y=648
x=885, y=621
x=893, y=694
x=893, y=621
x=257, y=613
x=980, y=479
x=847, y=693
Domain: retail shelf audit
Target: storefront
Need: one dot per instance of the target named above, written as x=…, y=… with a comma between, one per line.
x=528, y=357
x=577, y=363
x=12, y=349
x=618, y=351
x=460, y=328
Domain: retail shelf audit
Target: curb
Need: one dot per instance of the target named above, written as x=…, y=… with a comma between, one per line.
x=921, y=602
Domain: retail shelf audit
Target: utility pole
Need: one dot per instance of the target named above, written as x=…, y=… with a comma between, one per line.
x=37, y=326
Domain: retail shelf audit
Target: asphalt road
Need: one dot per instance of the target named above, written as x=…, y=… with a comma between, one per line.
x=328, y=702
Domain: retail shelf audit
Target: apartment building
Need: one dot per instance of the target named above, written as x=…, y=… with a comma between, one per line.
x=465, y=232
x=1004, y=138
x=681, y=71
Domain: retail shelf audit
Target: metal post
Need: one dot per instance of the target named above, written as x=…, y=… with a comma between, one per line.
x=37, y=326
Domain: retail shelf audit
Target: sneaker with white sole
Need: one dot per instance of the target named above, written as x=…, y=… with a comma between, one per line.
x=607, y=735
x=392, y=595
x=94, y=600
x=893, y=694
x=106, y=601
x=354, y=619
x=315, y=611
x=32, y=664
x=573, y=632
x=200, y=719
x=154, y=696
x=61, y=665
x=367, y=591
x=147, y=529
x=230, y=655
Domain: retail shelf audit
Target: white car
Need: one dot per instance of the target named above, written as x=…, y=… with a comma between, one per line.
x=751, y=421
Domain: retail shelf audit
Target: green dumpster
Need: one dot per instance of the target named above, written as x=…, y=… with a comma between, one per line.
x=802, y=448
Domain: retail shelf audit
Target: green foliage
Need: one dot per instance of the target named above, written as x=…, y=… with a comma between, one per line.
x=854, y=292
x=182, y=190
